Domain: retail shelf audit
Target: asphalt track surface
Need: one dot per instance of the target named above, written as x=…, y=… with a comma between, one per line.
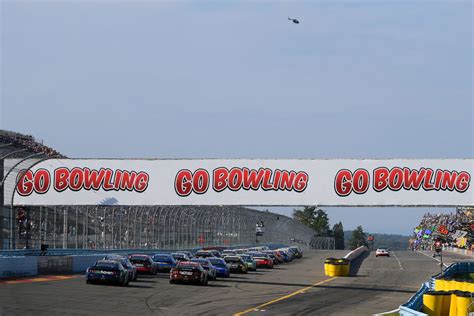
x=297, y=288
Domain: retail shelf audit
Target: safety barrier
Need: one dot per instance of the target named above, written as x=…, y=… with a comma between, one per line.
x=342, y=267
x=354, y=254
x=415, y=303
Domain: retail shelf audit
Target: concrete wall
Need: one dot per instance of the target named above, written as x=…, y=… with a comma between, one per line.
x=18, y=266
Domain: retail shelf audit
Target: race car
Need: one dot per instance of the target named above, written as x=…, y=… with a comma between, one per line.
x=248, y=259
x=188, y=272
x=164, y=262
x=222, y=269
x=262, y=259
x=228, y=252
x=178, y=256
x=382, y=252
x=207, y=265
x=144, y=263
x=132, y=270
x=107, y=271
x=236, y=264
x=204, y=254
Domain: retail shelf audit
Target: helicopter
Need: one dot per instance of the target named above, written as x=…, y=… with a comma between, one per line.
x=294, y=20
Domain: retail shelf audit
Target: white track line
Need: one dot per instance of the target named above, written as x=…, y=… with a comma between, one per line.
x=398, y=260
x=424, y=254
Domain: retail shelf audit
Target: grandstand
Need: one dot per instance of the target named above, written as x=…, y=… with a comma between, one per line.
x=127, y=227
x=452, y=229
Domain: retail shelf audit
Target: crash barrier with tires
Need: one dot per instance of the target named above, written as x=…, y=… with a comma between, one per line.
x=342, y=266
x=337, y=267
x=451, y=293
x=21, y=263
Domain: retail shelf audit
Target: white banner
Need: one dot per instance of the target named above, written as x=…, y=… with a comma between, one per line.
x=338, y=182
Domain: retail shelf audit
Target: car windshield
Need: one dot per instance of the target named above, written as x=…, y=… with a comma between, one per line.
x=202, y=262
x=106, y=266
x=232, y=259
x=187, y=267
x=138, y=260
x=162, y=258
x=217, y=262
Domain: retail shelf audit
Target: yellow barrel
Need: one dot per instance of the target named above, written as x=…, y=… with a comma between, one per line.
x=327, y=262
x=446, y=303
x=464, y=301
x=331, y=269
x=453, y=307
x=433, y=303
x=465, y=286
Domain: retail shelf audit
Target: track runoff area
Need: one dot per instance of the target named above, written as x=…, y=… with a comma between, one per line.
x=298, y=288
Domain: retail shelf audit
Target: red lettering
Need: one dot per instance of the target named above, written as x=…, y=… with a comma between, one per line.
x=183, y=182
x=287, y=180
x=380, y=179
x=252, y=178
x=235, y=179
x=93, y=179
x=301, y=181
x=343, y=182
x=220, y=179
x=462, y=183
x=141, y=182
x=61, y=179
x=413, y=178
x=76, y=179
x=395, y=180
x=200, y=181
x=266, y=185
x=24, y=185
x=360, y=181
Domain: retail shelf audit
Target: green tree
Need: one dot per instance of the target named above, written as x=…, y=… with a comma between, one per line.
x=338, y=231
x=315, y=219
x=359, y=238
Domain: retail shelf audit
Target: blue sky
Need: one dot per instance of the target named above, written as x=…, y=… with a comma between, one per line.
x=236, y=79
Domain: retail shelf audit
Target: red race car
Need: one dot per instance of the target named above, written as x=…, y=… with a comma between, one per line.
x=188, y=272
x=143, y=263
x=262, y=260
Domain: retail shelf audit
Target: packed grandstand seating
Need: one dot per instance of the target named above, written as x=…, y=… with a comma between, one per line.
x=21, y=145
x=452, y=229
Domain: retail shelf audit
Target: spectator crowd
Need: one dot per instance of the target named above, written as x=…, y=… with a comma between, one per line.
x=452, y=229
x=28, y=142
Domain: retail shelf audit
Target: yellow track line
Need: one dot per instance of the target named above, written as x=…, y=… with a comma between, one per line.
x=283, y=297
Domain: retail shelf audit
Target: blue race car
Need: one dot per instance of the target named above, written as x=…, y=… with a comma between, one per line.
x=107, y=271
x=222, y=269
x=132, y=270
x=164, y=261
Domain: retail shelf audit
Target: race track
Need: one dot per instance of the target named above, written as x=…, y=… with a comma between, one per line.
x=297, y=288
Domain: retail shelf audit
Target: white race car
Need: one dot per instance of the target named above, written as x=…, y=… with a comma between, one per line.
x=382, y=253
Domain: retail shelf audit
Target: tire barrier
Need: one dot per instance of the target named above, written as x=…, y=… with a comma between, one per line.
x=444, y=303
x=342, y=266
x=449, y=295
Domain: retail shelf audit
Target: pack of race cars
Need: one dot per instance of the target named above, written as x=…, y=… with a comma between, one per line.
x=184, y=267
